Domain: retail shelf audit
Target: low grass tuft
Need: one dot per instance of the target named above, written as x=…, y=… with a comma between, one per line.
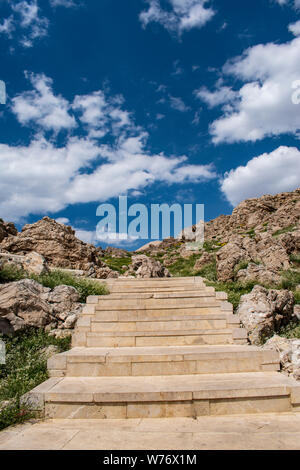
x=235, y=290
x=183, y=267
x=85, y=287
x=291, y=331
x=209, y=271
x=25, y=368
x=290, y=280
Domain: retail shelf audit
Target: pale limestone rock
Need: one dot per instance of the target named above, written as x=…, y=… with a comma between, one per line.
x=297, y=311
x=191, y=234
x=70, y=321
x=289, y=351
x=145, y=267
x=65, y=295
x=27, y=303
x=34, y=263
x=21, y=304
x=7, y=229
x=262, y=312
x=257, y=272
x=228, y=257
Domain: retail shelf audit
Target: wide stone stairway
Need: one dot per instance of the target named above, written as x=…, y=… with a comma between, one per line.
x=162, y=348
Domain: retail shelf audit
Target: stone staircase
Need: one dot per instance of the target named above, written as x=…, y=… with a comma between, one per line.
x=159, y=348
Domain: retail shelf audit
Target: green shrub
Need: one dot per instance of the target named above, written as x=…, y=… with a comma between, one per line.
x=84, y=286
x=10, y=273
x=25, y=368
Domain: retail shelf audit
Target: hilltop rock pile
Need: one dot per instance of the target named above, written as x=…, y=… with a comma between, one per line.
x=59, y=246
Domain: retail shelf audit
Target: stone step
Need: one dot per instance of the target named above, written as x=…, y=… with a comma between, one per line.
x=151, y=280
x=166, y=396
x=153, y=361
x=155, y=283
x=199, y=294
x=214, y=313
x=136, y=289
x=160, y=338
x=203, y=293
x=158, y=326
x=130, y=304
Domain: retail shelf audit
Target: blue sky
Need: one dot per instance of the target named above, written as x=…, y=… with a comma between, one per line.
x=165, y=101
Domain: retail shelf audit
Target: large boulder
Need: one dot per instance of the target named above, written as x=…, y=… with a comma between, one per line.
x=289, y=352
x=23, y=303
x=263, y=312
x=228, y=257
x=27, y=303
x=59, y=246
x=144, y=267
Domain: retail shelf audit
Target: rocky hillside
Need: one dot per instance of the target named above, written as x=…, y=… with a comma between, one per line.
x=258, y=242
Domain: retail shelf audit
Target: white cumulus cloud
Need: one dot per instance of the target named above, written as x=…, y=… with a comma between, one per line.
x=42, y=107
x=269, y=173
x=46, y=177
x=295, y=28
x=263, y=105
x=181, y=16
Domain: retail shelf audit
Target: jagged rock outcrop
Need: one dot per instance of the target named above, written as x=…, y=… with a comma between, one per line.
x=58, y=244
x=267, y=213
x=27, y=303
x=289, y=352
x=144, y=267
x=7, y=229
x=264, y=232
x=263, y=312
x=259, y=273
x=263, y=249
